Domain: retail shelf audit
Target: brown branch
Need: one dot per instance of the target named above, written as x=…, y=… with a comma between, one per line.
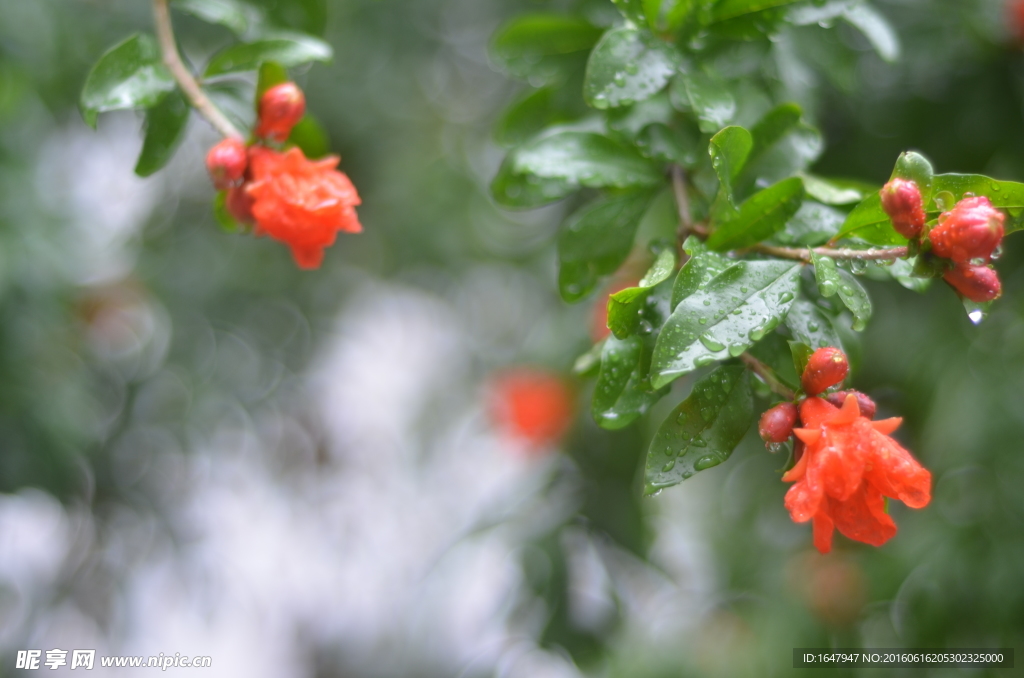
x=185, y=80
x=767, y=374
x=682, y=200
x=804, y=253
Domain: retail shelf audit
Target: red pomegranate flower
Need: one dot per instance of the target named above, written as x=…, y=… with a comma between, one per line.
x=849, y=464
x=301, y=202
x=533, y=406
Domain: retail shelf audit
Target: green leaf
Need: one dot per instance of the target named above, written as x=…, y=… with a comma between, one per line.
x=729, y=9
x=876, y=28
x=621, y=393
x=625, y=67
x=760, y=217
x=536, y=46
x=129, y=75
x=588, y=364
x=634, y=10
x=915, y=167
x=625, y=306
x=801, y=355
x=809, y=325
x=731, y=313
x=703, y=430
x=729, y=150
x=782, y=146
x=165, y=128
x=708, y=98
x=309, y=135
x=271, y=73
x=833, y=191
x=869, y=222
x=812, y=225
x=240, y=17
x=855, y=298
x=826, y=274
x=286, y=49
x=553, y=166
x=528, y=116
x=700, y=268
x=595, y=240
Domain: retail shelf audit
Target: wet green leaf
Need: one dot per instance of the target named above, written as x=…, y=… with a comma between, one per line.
x=761, y=216
x=737, y=308
x=826, y=274
x=286, y=49
x=729, y=150
x=625, y=67
x=129, y=75
x=707, y=97
x=165, y=128
x=595, y=240
x=702, y=266
x=622, y=391
x=809, y=325
x=553, y=166
x=240, y=17
x=542, y=47
x=625, y=306
x=855, y=298
x=703, y=430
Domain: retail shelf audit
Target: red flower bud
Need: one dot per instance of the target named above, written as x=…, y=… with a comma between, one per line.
x=777, y=423
x=971, y=230
x=239, y=205
x=226, y=163
x=977, y=283
x=901, y=200
x=867, y=405
x=281, y=107
x=826, y=367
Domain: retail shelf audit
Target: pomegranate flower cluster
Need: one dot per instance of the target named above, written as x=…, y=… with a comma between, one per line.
x=966, y=236
x=300, y=202
x=846, y=464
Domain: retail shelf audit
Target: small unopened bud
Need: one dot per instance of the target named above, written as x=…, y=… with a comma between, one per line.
x=826, y=367
x=280, y=109
x=777, y=423
x=975, y=282
x=239, y=205
x=901, y=200
x=867, y=405
x=226, y=163
x=973, y=229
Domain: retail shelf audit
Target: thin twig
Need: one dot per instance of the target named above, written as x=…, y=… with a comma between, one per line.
x=188, y=84
x=804, y=253
x=768, y=375
x=682, y=200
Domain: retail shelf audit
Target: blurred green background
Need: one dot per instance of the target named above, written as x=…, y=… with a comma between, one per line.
x=204, y=450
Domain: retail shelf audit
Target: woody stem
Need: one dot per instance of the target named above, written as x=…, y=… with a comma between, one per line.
x=767, y=374
x=181, y=74
x=804, y=253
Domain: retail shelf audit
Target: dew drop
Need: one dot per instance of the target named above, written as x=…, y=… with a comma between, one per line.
x=703, y=361
x=846, y=289
x=669, y=465
x=698, y=442
x=736, y=349
x=828, y=288
x=706, y=462
x=711, y=343
x=785, y=297
x=976, y=316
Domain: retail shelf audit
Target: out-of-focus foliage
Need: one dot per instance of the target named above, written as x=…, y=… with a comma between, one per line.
x=135, y=330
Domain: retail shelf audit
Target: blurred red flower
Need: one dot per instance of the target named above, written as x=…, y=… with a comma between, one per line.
x=849, y=464
x=530, y=405
x=301, y=202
